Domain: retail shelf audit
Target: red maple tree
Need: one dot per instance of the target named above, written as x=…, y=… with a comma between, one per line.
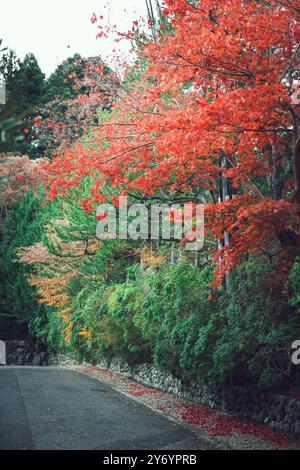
x=212, y=119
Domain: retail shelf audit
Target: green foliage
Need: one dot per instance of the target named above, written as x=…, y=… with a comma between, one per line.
x=254, y=344
x=172, y=318
x=27, y=85
x=47, y=325
x=294, y=284
x=61, y=83
x=178, y=297
x=23, y=226
x=9, y=66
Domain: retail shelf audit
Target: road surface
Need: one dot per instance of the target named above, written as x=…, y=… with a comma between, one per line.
x=52, y=408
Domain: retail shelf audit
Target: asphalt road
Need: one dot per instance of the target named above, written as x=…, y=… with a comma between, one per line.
x=52, y=408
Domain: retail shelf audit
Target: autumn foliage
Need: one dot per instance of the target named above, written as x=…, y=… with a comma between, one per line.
x=54, y=269
x=18, y=176
x=212, y=119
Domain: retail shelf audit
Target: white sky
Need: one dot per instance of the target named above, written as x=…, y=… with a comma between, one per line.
x=47, y=28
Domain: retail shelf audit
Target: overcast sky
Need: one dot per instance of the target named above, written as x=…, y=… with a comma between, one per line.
x=55, y=29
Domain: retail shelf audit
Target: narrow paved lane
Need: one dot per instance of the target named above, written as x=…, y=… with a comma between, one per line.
x=51, y=408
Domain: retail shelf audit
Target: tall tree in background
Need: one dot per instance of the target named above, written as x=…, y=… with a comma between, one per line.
x=28, y=85
x=10, y=125
x=61, y=88
x=24, y=86
x=75, y=93
x=60, y=84
x=9, y=66
x=28, y=88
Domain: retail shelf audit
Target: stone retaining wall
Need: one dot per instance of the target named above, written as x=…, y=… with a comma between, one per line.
x=25, y=353
x=278, y=411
